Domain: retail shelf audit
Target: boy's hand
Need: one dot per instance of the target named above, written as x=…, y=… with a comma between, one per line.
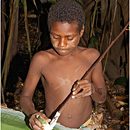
x=83, y=88
x=35, y=123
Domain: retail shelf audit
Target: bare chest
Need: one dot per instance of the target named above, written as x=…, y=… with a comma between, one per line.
x=59, y=73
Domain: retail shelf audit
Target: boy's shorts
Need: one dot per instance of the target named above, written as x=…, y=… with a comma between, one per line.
x=61, y=127
x=82, y=127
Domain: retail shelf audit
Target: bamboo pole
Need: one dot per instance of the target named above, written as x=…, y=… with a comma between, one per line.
x=114, y=15
x=94, y=14
x=104, y=27
x=27, y=28
x=9, y=43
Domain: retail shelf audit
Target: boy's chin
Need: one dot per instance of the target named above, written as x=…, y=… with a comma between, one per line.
x=64, y=53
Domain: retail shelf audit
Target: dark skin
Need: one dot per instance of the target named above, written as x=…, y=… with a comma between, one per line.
x=58, y=69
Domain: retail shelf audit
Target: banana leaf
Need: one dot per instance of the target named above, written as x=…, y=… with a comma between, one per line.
x=12, y=120
x=15, y=120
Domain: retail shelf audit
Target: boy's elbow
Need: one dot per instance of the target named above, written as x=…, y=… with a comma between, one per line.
x=102, y=100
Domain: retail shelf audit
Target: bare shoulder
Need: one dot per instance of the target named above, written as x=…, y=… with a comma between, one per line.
x=42, y=57
x=40, y=54
x=90, y=53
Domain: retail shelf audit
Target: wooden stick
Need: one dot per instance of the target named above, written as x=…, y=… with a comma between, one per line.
x=62, y=105
x=112, y=109
x=101, y=57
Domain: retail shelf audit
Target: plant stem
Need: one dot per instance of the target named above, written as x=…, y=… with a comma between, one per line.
x=27, y=29
x=110, y=36
x=94, y=14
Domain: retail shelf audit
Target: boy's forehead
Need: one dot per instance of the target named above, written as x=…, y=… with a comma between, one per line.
x=64, y=25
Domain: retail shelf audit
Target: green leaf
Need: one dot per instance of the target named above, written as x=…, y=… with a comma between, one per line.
x=12, y=120
x=34, y=2
x=93, y=43
x=56, y=128
x=43, y=121
x=122, y=81
x=6, y=16
x=129, y=26
x=123, y=64
x=80, y=1
x=22, y=1
x=93, y=40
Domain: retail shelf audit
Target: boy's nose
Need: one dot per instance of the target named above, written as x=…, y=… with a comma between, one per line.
x=62, y=42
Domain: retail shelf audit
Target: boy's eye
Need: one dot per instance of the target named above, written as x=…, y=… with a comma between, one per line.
x=69, y=38
x=55, y=37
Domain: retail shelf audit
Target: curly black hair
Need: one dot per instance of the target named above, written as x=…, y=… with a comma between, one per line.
x=66, y=11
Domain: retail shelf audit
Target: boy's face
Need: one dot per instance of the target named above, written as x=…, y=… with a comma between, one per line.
x=65, y=37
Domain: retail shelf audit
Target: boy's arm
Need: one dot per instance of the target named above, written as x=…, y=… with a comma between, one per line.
x=30, y=84
x=96, y=89
x=98, y=85
x=29, y=88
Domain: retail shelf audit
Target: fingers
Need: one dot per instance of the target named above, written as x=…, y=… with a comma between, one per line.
x=43, y=116
x=82, y=88
x=34, y=122
x=34, y=126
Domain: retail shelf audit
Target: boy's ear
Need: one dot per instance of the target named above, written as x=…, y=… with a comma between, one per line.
x=82, y=31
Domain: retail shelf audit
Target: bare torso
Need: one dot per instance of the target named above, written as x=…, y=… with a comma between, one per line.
x=58, y=75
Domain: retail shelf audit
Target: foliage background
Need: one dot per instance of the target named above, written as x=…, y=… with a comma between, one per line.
x=104, y=21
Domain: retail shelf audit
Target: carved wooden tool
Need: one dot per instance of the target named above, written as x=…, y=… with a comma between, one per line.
x=62, y=105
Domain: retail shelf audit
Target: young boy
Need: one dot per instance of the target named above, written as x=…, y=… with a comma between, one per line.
x=60, y=67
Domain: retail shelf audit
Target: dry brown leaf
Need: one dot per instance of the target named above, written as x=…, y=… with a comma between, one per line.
x=4, y=105
x=96, y=121
x=122, y=122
